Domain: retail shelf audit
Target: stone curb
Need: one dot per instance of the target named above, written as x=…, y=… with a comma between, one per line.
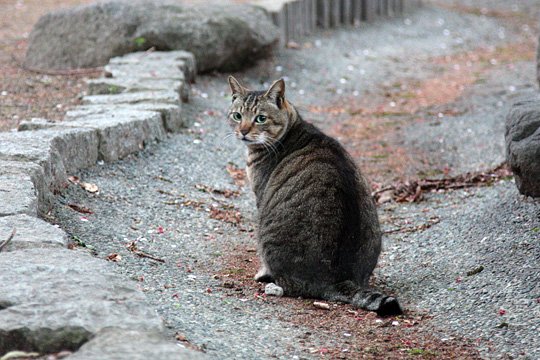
x=54, y=299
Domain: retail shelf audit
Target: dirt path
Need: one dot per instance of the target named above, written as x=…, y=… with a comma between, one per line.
x=416, y=97
x=25, y=94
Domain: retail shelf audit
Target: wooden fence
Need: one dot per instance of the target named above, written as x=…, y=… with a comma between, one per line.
x=297, y=18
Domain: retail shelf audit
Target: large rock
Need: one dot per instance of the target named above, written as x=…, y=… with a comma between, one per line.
x=221, y=37
x=523, y=145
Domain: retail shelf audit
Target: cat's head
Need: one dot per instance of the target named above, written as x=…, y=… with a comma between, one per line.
x=259, y=117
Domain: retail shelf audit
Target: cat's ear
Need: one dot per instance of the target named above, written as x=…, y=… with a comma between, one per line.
x=277, y=92
x=236, y=88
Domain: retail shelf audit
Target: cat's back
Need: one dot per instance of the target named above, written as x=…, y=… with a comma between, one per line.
x=313, y=170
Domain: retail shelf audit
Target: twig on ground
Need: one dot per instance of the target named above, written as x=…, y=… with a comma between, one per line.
x=411, y=191
x=5, y=243
x=432, y=221
x=131, y=246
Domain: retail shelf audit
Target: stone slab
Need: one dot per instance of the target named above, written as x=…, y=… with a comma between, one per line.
x=17, y=195
x=113, y=86
x=121, y=131
x=78, y=148
x=172, y=117
x=184, y=60
x=32, y=232
x=114, y=344
x=170, y=97
x=35, y=124
x=35, y=172
x=145, y=70
x=56, y=299
x=56, y=150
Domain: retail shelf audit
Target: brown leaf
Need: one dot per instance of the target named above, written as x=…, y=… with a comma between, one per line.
x=91, y=188
x=238, y=175
x=114, y=257
x=180, y=337
x=74, y=179
x=226, y=193
x=293, y=45
x=81, y=209
x=229, y=216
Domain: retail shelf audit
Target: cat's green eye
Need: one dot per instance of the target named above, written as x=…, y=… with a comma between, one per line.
x=236, y=116
x=260, y=119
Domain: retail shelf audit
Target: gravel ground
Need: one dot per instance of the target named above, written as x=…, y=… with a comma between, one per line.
x=140, y=199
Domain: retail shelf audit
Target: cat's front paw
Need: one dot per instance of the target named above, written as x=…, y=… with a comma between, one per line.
x=264, y=276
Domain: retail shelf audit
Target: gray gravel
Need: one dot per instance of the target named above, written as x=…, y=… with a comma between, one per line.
x=491, y=227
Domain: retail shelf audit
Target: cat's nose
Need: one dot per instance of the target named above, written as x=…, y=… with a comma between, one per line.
x=244, y=131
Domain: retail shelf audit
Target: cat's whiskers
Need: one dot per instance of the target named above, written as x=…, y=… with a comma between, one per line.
x=267, y=143
x=227, y=136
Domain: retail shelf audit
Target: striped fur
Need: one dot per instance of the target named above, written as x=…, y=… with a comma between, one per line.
x=318, y=232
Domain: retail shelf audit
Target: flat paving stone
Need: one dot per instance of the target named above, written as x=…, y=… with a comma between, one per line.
x=169, y=96
x=56, y=150
x=35, y=172
x=173, y=119
x=121, y=130
x=133, y=345
x=56, y=299
x=32, y=232
x=17, y=195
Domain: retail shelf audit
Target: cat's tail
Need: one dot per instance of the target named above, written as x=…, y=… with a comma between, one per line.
x=364, y=298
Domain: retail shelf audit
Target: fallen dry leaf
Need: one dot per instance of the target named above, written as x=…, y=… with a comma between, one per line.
x=114, y=257
x=81, y=209
x=321, y=305
x=238, y=175
x=91, y=188
x=226, y=193
x=229, y=216
x=74, y=179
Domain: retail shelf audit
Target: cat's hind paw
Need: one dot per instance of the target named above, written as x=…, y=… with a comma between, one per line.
x=389, y=306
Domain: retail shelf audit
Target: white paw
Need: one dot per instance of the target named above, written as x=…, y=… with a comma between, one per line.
x=272, y=289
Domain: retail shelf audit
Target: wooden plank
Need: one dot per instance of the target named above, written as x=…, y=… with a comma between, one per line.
x=369, y=10
x=323, y=13
x=357, y=12
x=297, y=25
x=313, y=15
x=346, y=12
x=300, y=23
x=290, y=22
x=335, y=19
x=283, y=26
x=306, y=15
x=398, y=7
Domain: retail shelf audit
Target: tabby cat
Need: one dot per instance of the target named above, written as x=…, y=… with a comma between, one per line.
x=318, y=230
